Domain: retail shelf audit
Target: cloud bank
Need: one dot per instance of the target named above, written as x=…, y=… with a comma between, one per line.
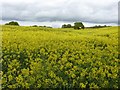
x=90, y=11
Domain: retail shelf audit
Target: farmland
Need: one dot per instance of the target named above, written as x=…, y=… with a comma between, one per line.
x=37, y=57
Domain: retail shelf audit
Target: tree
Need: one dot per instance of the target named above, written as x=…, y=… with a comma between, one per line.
x=78, y=25
x=64, y=26
x=12, y=23
x=69, y=26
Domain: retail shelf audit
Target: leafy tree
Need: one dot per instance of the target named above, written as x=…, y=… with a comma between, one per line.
x=78, y=25
x=69, y=26
x=64, y=26
x=12, y=23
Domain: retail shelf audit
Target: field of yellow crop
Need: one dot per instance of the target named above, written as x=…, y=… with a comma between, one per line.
x=36, y=57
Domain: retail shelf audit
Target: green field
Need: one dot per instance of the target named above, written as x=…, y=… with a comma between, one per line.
x=36, y=57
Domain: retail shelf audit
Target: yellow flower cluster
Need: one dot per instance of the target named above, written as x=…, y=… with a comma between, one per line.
x=37, y=57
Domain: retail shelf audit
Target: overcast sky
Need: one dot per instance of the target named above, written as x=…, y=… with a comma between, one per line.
x=56, y=12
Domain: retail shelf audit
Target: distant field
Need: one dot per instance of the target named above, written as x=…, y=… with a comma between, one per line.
x=36, y=57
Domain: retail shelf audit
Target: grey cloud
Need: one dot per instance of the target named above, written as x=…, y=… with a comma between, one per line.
x=96, y=11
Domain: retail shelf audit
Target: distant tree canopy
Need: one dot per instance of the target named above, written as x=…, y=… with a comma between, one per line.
x=42, y=26
x=34, y=26
x=45, y=26
x=99, y=26
x=66, y=26
x=78, y=25
x=69, y=25
x=12, y=23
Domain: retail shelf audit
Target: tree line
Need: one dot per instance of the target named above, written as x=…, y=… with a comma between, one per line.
x=77, y=25
x=17, y=24
x=41, y=26
x=98, y=26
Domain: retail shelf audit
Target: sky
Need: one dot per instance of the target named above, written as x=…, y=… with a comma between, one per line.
x=57, y=12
